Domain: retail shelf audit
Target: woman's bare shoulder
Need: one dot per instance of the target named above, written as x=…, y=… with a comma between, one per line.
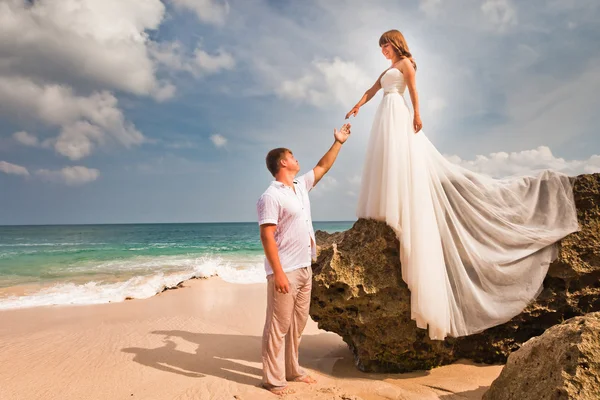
x=405, y=65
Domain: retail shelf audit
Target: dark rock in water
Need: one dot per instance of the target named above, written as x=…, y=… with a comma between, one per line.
x=563, y=363
x=358, y=293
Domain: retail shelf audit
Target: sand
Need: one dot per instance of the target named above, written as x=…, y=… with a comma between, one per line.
x=198, y=342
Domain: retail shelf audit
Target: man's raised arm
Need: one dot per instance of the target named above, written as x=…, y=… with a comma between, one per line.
x=328, y=159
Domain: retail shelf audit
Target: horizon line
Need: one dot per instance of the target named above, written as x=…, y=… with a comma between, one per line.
x=155, y=223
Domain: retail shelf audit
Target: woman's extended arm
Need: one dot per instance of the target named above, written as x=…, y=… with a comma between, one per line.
x=366, y=97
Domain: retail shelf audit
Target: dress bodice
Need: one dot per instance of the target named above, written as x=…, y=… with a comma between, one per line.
x=392, y=81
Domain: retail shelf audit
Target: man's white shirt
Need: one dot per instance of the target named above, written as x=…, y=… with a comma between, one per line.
x=289, y=209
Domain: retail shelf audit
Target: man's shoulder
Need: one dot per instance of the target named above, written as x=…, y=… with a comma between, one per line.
x=308, y=175
x=269, y=193
x=303, y=179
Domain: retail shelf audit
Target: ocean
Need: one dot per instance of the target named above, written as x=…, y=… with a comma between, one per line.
x=91, y=264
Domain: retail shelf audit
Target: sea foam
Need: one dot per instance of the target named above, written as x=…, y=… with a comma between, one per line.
x=140, y=286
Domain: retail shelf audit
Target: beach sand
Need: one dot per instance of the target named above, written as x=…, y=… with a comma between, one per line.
x=198, y=342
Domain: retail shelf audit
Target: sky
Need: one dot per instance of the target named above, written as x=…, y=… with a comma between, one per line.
x=140, y=111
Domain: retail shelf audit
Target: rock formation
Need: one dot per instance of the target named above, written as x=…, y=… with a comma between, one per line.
x=562, y=363
x=359, y=294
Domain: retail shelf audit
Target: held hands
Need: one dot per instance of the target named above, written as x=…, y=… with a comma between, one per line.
x=343, y=134
x=417, y=124
x=353, y=112
x=282, y=285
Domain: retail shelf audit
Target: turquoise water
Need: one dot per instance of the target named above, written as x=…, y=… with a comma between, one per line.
x=84, y=264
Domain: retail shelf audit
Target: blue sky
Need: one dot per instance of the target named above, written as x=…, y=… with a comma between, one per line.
x=117, y=111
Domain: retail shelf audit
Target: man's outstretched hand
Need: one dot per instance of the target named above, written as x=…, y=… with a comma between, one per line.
x=329, y=158
x=343, y=134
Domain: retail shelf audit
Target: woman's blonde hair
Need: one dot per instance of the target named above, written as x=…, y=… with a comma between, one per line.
x=396, y=39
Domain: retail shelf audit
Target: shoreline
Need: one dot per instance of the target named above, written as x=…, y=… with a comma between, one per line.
x=200, y=341
x=23, y=290
x=28, y=291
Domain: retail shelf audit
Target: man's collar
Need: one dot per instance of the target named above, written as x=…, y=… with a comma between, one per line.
x=281, y=184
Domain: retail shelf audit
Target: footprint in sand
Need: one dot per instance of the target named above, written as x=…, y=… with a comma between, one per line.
x=338, y=396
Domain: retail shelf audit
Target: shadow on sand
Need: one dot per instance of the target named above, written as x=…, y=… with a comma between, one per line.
x=226, y=356
x=237, y=358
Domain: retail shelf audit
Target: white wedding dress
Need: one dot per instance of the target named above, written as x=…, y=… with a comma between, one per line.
x=474, y=249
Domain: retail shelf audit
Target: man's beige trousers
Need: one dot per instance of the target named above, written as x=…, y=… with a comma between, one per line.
x=286, y=318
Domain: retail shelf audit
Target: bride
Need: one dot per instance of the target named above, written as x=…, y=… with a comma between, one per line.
x=474, y=249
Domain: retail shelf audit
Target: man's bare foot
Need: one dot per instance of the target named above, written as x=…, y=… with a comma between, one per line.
x=306, y=379
x=279, y=391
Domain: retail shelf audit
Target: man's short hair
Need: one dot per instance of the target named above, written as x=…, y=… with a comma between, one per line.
x=274, y=157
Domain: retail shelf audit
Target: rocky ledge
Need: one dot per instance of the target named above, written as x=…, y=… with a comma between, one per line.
x=358, y=293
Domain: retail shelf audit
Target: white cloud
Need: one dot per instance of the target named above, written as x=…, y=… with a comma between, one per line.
x=186, y=144
x=164, y=92
x=84, y=121
x=169, y=54
x=13, y=169
x=500, y=13
x=210, y=11
x=218, y=140
x=72, y=176
x=78, y=139
x=525, y=57
x=344, y=79
x=353, y=185
x=355, y=180
x=327, y=82
x=62, y=59
x=98, y=43
x=516, y=163
x=326, y=184
x=214, y=63
x=430, y=7
x=303, y=89
x=173, y=56
x=436, y=104
x=26, y=139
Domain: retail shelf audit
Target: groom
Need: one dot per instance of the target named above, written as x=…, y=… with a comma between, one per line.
x=288, y=239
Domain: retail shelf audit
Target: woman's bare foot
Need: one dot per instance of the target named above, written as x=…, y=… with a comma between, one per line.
x=306, y=379
x=279, y=391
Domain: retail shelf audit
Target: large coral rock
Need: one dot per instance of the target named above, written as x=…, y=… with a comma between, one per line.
x=358, y=293
x=563, y=363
